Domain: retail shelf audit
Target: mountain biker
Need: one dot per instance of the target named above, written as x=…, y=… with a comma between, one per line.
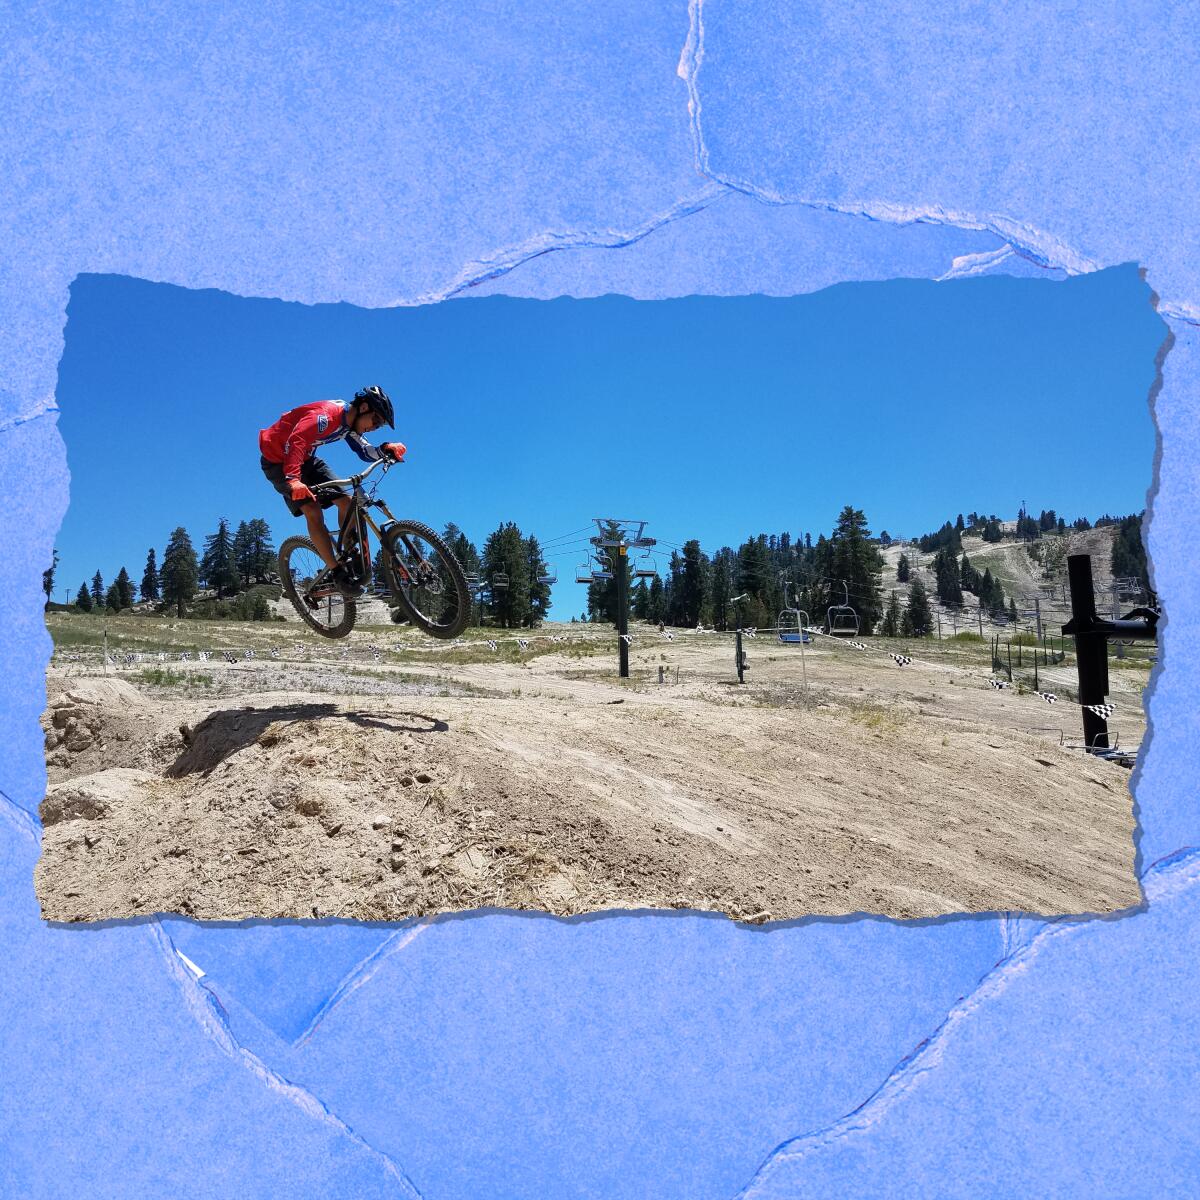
x=289, y=463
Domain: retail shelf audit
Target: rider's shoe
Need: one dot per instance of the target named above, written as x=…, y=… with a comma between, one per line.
x=347, y=582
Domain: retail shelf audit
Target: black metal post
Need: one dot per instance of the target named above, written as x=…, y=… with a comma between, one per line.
x=621, y=575
x=1091, y=649
x=737, y=647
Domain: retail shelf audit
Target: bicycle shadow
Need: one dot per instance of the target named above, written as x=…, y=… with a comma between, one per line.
x=225, y=732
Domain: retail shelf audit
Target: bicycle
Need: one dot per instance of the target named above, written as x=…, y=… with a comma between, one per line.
x=424, y=578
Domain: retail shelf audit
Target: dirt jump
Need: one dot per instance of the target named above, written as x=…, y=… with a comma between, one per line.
x=398, y=783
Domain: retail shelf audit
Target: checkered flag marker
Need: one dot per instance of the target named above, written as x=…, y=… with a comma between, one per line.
x=999, y=683
x=750, y=632
x=345, y=654
x=205, y=656
x=247, y=654
x=1101, y=710
x=669, y=636
x=491, y=644
x=858, y=645
x=1049, y=697
x=185, y=657
x=902, y=660
x=523, y=643
x=274, y=651
x=627, y=638
x=162, y=656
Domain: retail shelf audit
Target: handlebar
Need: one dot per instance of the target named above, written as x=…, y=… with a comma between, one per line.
x=355, y=480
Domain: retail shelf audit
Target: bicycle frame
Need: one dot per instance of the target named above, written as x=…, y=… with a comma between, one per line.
x=358, y=518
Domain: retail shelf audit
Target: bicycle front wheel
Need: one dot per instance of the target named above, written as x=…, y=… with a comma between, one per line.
x=323, y=607
x=426, y=579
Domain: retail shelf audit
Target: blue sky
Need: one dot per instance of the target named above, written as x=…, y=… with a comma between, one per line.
x=710, y=417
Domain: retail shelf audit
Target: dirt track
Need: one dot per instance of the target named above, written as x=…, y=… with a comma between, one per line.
x=307, y=789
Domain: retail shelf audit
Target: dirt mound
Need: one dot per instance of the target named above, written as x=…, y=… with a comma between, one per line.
x=94, y=797
x=85, y=717
x=385, y=807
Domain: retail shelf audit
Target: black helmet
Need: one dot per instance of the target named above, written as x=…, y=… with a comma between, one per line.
x=377, y=401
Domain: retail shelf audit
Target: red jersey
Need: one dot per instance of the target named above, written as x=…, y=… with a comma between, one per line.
x=299, y=432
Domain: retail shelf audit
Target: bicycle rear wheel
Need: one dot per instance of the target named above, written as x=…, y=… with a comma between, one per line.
x=325, y=608
x=426, y=579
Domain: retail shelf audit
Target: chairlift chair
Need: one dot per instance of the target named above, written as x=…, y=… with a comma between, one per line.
x=788, y=635
x=841, y=619
x=551, y=576
x=584, y=574
x=646, y=568
x=499, y=581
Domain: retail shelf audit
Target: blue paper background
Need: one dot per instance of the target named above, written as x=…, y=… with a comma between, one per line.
x=385, y=153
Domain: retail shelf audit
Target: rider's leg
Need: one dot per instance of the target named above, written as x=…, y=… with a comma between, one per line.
x=319, y=534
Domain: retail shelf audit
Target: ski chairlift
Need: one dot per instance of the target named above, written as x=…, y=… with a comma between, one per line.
x=499, y=581
x=550, y=576
x=645, y=568
x=798, y=635
x=584, y=574
x=841, y=619
x=603, y=569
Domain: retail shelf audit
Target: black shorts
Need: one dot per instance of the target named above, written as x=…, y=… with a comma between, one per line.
x=313, y=471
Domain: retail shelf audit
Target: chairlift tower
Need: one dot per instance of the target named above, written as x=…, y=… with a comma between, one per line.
x=619, y=536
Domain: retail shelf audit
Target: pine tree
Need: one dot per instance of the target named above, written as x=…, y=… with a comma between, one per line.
x=724, y=585
x=48, y=578
x=945, y=567
x=968, y=577
x=261, y=555
x=903, y=569
x=217, y=567
x=991, y=594
x=1128, y=554
x=243, y=555
x=112, y=598
x=505, y=552
x=539, y=592
x=692, y=597
x=83, y=601
x=859, y=564
x=124, y=586
x=890, y=625
x=150, y=578
x=658, y=603
x=180, y=571
x=97, y=590
x=917, y=620
x=640, y=603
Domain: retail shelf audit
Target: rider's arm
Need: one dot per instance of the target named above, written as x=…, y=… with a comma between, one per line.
x=362, y=447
